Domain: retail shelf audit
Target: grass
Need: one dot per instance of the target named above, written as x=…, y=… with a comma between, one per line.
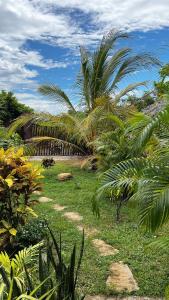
x=150, y=267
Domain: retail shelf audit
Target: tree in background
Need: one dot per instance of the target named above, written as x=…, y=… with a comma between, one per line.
x=162, y=87
x=141, y=102
x=10, y=108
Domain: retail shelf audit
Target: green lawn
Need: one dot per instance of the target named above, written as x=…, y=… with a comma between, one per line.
x=150, y=268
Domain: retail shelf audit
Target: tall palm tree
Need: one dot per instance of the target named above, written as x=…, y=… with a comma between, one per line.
x=101, y=73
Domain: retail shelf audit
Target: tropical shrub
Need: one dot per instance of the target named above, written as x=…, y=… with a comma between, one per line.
x=33, y=232
x=48, y=162
x=18, y=180
x=56, y=280
x=7, y=142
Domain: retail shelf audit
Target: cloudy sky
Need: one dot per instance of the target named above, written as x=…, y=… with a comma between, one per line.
x=39, y=40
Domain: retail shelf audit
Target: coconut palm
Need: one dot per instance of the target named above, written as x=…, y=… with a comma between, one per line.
x=98, y=86
x=101, y=73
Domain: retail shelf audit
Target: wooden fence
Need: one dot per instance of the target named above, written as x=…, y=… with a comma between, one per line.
x=50, y=148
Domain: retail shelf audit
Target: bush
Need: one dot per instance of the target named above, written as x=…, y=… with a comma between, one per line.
x=31, y=233
x=18, y=180
x=48, y=277
x=48, y=162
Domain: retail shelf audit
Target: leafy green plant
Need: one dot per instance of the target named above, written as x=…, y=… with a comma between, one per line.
x=31, y=233
x=18, y=180
x=56, y=280
x=48, y=162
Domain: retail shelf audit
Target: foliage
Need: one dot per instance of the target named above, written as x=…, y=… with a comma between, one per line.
x=162, y=87
x=10, y=108
x=56, y=280
x=123, y=235
x=48, y=162
x=101, y=73
x=18, y=180
x=31, y=233
x=7, y=142
x=141, y=102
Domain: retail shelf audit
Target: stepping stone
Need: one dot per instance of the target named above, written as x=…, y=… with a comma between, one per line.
x=104, y=248
x=64, y=176
x=121, y=278
x=44, y=199
x=59, y=207
x=73, y=216
x=102, y=297
x=96, y=297
x=37, y=193
x=88, y=231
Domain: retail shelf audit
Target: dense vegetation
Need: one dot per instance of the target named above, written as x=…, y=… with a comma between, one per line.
x=10, y=108
x=126, y=141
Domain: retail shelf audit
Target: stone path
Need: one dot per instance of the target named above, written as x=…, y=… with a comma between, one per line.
x=73, y=216
x=104, y=248
x=120, y=277
x=45, y=200
x=89, y=231
x=58, y=207
x=37, y=193
x=102, y=297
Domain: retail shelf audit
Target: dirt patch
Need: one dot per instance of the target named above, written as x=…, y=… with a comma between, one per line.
x=44, y=200
x=104, y=248
x=87, y=230
x=121, y=278
x=73, y=216
x=58, y=207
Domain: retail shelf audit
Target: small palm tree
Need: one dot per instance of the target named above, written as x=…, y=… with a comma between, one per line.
x=101, y=73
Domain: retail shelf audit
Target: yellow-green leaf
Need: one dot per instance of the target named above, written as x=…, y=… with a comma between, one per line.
x=9, y=181
x=3, y=230
x=13, y=231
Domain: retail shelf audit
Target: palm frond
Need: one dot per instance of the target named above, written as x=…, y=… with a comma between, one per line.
x=124, y=175
x=133, y=64
x=54, y=92
x=161, y=118
x=128, y=89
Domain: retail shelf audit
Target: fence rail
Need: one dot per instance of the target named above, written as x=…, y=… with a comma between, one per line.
x=50, y=148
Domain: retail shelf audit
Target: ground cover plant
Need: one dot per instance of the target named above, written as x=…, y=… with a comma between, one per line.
x=150, y=268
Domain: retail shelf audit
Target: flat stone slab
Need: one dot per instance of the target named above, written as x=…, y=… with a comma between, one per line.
x=121, y=278
x=102, y=297
x=73, y=216
x=45, y=200
x=87, y=230
x=64, y=176
x=58, y=207
x=103, y=248
x=37, y=193
x=97, y=297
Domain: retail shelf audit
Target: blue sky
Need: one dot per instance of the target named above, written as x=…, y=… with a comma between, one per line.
x=39, y=41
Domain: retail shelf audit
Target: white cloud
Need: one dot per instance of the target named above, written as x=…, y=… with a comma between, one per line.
x=126, y=14
x=39, y=104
